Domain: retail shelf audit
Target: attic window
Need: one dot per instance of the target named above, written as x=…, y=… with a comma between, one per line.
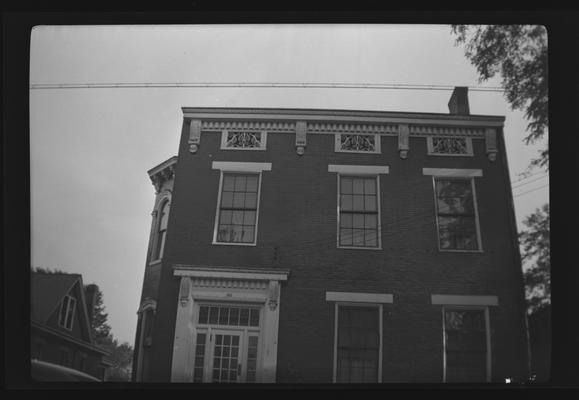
x=449, y=146
x=241, y=140
x=351, y=143
x=66, y=316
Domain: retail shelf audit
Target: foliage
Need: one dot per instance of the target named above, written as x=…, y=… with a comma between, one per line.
x=536, y=249
x=121, y=356
x=100, y=328
x=42, y=270
x=518, y=53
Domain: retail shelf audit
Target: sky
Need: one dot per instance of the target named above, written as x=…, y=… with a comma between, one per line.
x=90, y=148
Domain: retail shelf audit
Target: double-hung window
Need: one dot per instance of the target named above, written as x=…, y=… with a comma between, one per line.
x=238, y=202
x=465, y=336
x=67, y=309
x=358, y=344
x=359, y=216
x=456, y=209
x=456, y=214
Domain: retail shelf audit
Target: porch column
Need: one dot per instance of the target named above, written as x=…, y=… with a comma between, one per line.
x=182, y=369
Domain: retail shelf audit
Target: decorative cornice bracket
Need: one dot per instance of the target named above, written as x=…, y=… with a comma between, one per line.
x=491, y=143
x=301, y=133
x=403, y=140
x=194, y=135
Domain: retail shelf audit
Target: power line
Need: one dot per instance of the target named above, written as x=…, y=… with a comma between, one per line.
x=534, y=180
x=125, y=85
x=532, y=190
x=528, y=176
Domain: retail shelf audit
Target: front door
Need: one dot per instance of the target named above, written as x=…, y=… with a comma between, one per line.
x=226, y=356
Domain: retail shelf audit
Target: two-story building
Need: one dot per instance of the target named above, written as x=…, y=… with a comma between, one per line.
x=319, y=246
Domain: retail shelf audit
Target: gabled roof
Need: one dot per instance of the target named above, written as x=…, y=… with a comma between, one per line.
x=47, y=291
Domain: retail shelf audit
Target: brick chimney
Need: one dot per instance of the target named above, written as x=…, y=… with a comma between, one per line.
x=90, y=294
x=458, y=103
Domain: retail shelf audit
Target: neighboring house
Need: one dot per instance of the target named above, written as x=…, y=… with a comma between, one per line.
x=317, y=246
x=60, y=323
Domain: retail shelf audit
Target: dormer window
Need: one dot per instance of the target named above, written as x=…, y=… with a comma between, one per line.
x=66, y=316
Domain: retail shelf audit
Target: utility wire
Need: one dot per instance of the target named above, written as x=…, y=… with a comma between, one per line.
x=36, y=86
x=532, y=190
x=534, y=180
x=528, y=176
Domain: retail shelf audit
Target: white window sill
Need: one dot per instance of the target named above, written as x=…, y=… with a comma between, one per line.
x=243, y=148
x=155, y=262
x=459, y=251
x=450, y=155
x=233, y=244
x=358, y=248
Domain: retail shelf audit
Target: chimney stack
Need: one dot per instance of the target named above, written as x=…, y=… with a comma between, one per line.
x=458, y=103
x=91, y=291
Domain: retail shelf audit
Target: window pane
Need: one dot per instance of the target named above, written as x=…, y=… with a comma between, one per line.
x=248, y=234
x=254, y=317
x=358, y=237
x=225, y=233
x=465, y=332
x=244, y=317
x=346, y=202
x=358, y=203
x=249, y=218
x=228, y=182
x=234, y=316
x=369, y=203
x=370, y=221
x=457, y=233
x=252, y=181
x=227, y=199
x=346, y=237
x=237, y=218
x=238, y=200
x=225, y=217
x=203, y=314
x=358, y=186
x=358, y=220
x=370, y=186
x=346, y=185
x=371, y=238
x=346, y=220
x=251, y=200
x=240, y=183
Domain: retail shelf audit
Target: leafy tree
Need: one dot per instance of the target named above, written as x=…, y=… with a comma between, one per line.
x=100, y=328
x=121, y=356
x=518, y=53
x=536, y=249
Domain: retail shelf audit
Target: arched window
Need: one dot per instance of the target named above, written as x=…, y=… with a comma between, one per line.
x=161, y=233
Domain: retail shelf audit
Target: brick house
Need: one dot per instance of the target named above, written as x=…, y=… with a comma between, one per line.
x=60, y=329
x=319, y=246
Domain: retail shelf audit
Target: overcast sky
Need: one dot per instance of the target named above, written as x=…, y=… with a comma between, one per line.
x=91, y=197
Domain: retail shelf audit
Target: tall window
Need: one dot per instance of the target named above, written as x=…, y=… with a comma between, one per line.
x=359, y=212
x=163, y=217
x=66, y=316
x=358, y=344
x=237, y=217
x=456, y=214
x=465, y=334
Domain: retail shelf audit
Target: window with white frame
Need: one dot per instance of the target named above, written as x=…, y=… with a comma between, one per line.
x=238, y=207
x=357, y=143
x=357, y=347
x=243, y=140
x=359, y=214
x=456, y=214
x=466, y=351
x=449, y=146
x=67, y=308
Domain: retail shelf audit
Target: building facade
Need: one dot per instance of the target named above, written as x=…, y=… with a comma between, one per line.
x=319, y=246
x=60, y=330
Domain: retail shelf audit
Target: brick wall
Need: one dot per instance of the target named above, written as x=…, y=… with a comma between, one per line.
x=297, y=231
